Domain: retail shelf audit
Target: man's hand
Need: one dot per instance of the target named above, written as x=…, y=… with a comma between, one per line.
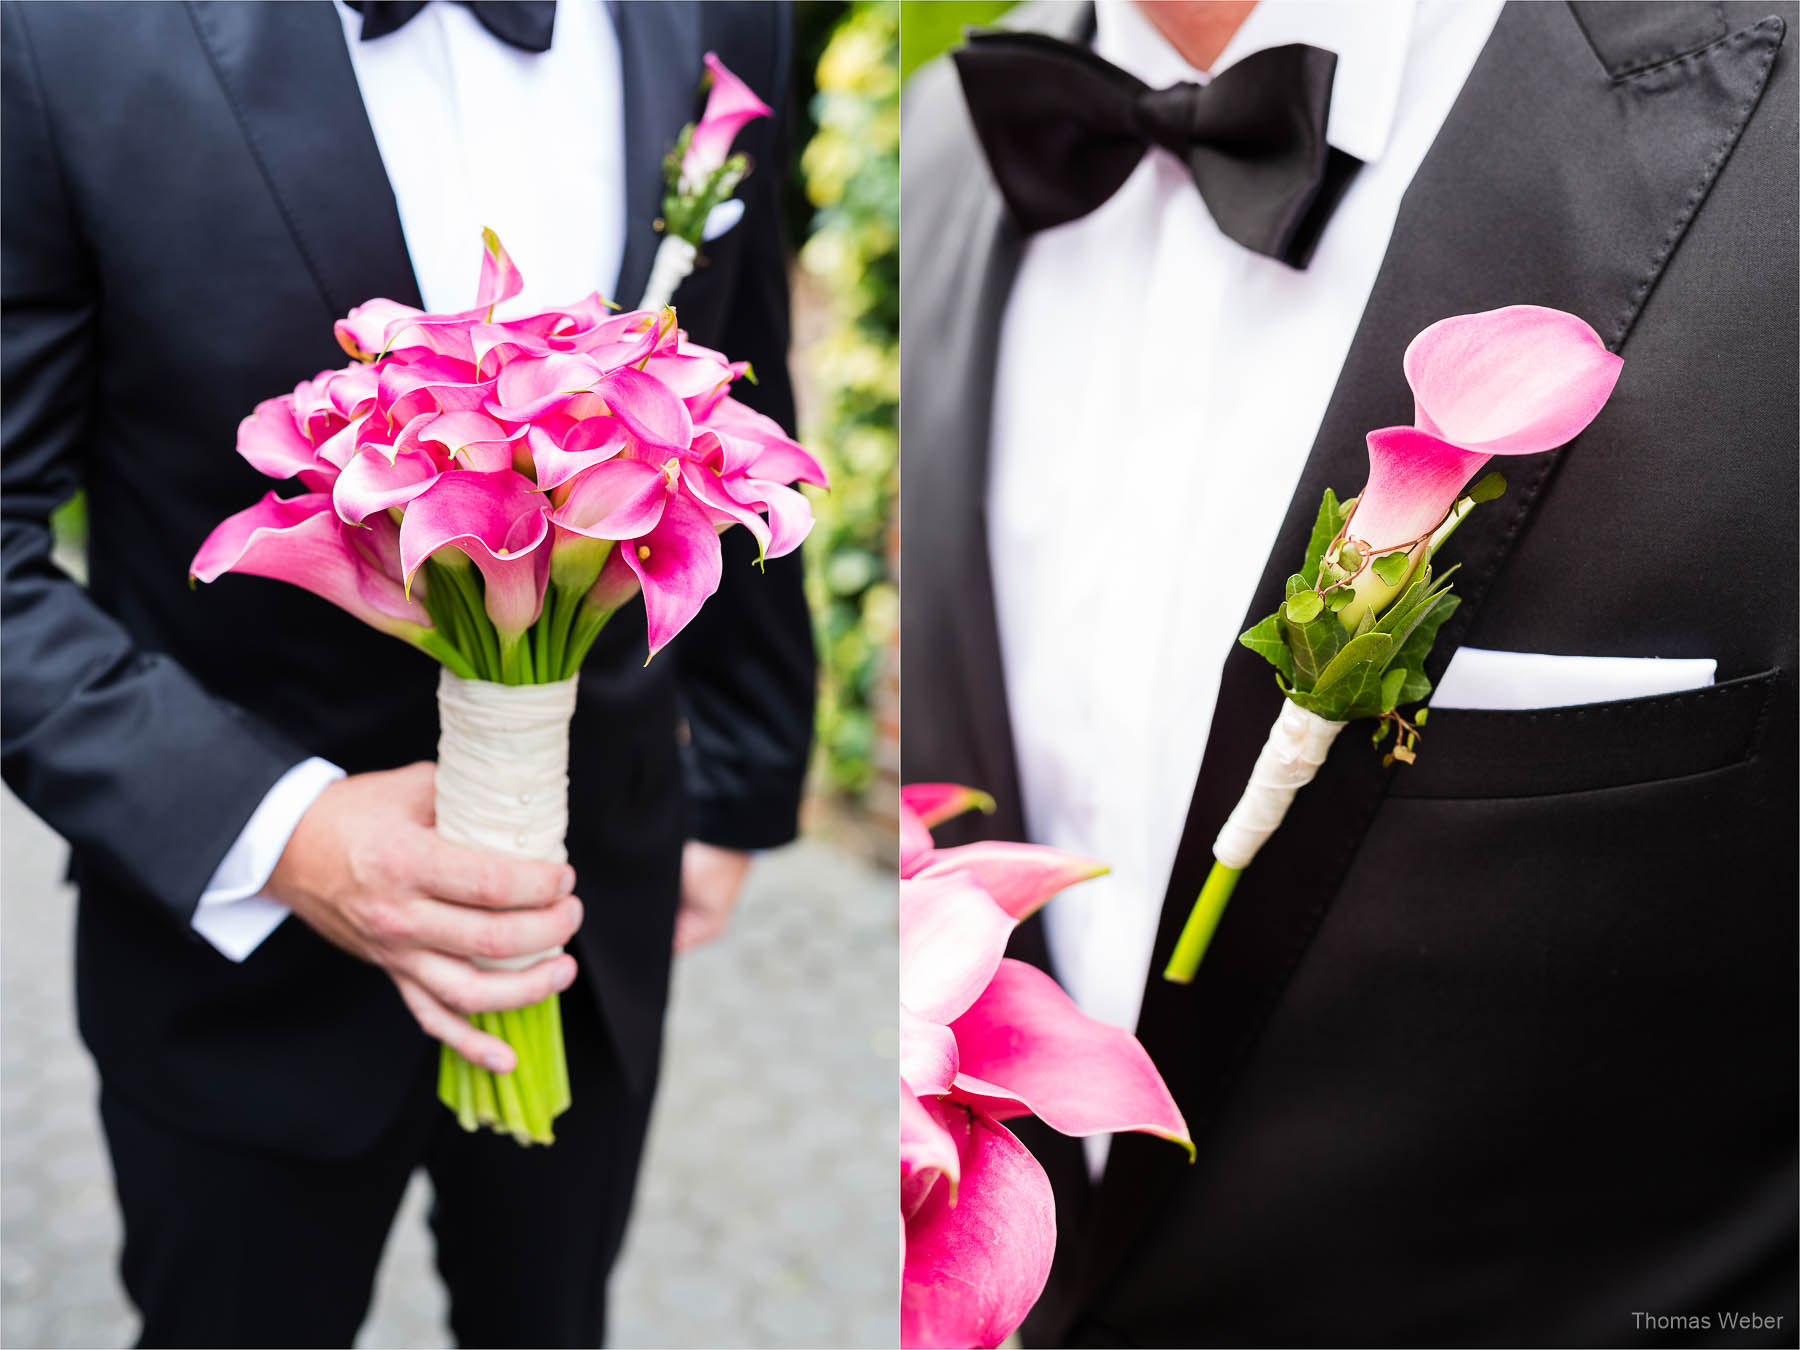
x=710, y=880
x=367, y=871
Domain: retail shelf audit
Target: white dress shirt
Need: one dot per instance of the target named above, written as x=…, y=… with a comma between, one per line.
x=473, y=133
x=1157, y=392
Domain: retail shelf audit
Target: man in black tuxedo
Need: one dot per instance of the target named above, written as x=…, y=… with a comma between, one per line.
x=193, y=194
x=1498, y=1048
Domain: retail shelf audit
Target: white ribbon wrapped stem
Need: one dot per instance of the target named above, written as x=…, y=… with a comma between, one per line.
x=503, y=773
x=674, y=260
x=1297, y=746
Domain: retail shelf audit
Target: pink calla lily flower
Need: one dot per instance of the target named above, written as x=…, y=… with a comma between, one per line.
x=980, y=1235
x=678, y=564
x=730, y=105
x=466, y=439
x=927, y=1153
x=372, y=483
x=500, y=279
x=563, y=447
x=272, y=441
x=301, y=541
x=616, y=499
x=1020, y=877
x=934, y=803
x=928, y=1059
x=500, y=520
x=1513, y=381
x=978, y=1253
x=1024, y=1042
x=952, y=938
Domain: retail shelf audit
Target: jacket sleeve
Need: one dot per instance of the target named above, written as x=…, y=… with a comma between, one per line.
x=120, y=750
x=746, y=668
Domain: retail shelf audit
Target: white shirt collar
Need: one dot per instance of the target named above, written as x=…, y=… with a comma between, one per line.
x=1369, y=36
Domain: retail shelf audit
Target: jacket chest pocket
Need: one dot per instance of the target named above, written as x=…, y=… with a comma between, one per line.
x=1541, y=752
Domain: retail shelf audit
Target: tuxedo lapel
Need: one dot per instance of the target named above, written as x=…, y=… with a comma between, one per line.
x=1602, y=166
x=660, y=54
x=288, y=78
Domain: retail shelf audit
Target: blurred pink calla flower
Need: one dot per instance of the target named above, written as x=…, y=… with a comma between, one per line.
x=730, y=106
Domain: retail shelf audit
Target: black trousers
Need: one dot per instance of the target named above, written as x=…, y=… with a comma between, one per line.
x=227, y=1247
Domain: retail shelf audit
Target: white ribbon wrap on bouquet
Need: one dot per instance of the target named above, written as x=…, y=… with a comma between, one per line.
x=674, y=260
x=1297, y=746
x=503, y=773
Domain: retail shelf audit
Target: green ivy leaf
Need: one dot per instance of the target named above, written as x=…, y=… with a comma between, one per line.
x=1420, y=716
x=1303, y=607
x=1417, y=646
x=1417, y=686
x=1390, y=567
x=1369, y=649
x=1295, y=584
x=1266, y=641
x=1489, y=487
x=1392, y=682
x=1336, y=599
x=1325, y=528
x=1312, y=646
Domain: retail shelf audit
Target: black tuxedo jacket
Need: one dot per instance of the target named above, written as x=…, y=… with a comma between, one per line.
x=1499, y=1048
x=192, y=195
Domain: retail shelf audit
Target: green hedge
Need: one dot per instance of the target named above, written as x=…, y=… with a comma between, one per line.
x=852, y=173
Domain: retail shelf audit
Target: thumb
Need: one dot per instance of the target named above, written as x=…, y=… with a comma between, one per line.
x=415, y=792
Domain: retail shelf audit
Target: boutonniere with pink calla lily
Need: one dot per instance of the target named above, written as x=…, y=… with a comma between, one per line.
x=1351, y=638
x=983, y=1039
x=494, y=492
x=700, y=173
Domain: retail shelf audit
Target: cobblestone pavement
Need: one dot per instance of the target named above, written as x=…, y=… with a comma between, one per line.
x=765, y=1212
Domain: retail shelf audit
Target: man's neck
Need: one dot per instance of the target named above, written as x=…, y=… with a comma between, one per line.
x=1197, y=29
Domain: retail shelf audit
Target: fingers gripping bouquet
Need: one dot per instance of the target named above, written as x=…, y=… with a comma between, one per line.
x=1351, y=638
x=493, y=492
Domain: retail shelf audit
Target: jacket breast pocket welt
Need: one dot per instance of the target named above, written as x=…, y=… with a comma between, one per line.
x=1468, y=753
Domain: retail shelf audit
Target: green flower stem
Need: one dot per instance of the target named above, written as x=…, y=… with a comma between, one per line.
x=436, y=644
x=525, y=1102
x=487, y=1103
x=515, y=659
x=1197, y=933
x=587, y=626
x=540, y=639
x=561, y=613
x=468, y=593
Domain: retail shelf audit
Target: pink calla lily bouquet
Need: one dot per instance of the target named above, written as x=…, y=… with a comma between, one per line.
x=493, y=492
x=1351, y=638
x=984, y=1039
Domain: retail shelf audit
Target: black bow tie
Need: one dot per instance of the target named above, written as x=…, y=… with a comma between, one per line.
x=525, y=24
x=1063, y=129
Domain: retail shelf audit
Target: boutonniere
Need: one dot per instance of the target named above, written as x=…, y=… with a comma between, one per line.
x=700, y=173
x=1359, y=619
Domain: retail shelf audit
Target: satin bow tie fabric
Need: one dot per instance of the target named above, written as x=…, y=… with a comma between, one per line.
x=525, y=24
x=1063, y=129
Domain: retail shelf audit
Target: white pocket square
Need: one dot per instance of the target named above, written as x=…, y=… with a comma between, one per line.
x=1493, y=681
x=721, y=218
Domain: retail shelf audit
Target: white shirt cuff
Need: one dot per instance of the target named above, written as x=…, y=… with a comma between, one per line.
x=234, y=915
